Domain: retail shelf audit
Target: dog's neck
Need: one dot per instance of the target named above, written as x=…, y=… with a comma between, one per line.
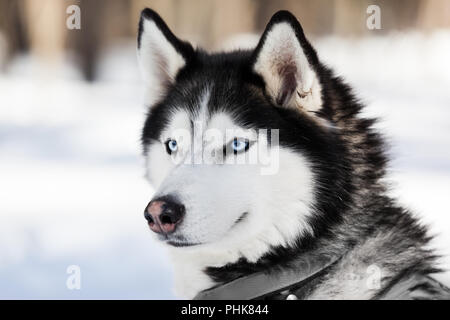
x=202, y=267
x=290, y=283
x=190, y=265
x=189, y=275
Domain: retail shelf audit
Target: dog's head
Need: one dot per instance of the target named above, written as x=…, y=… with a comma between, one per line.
x=239, y=145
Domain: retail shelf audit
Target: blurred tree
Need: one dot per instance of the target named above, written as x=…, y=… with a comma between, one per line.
x=87, y=41
x=12, y=26
x=45, y=25
x=434, y=14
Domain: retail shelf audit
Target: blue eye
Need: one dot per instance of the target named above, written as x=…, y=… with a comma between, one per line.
x=239, y=145
x=171, y=146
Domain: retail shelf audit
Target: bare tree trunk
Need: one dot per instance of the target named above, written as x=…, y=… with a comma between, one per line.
x=46, y=28
x=434, y=14
x=12, y=28
x=86, y=42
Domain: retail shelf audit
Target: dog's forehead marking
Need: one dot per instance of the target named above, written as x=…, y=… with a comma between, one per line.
x=200, y=121
x=222, y=122
x=183, y=119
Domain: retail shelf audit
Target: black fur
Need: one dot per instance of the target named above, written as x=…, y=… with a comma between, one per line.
x=183, y=47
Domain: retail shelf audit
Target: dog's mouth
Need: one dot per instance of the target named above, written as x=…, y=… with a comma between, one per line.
x=182, y=244
x=241, y=217
x=177, y=241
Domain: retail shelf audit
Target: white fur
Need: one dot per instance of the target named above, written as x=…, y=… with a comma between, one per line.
x=159, y=61
x=216, y=195
x=282, y=49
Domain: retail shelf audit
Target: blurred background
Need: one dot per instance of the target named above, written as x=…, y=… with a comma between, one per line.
x=72, y=188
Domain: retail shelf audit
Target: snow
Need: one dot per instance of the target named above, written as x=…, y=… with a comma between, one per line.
x=71, y=173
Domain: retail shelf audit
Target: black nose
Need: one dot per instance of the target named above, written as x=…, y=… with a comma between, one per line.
x=164, y=214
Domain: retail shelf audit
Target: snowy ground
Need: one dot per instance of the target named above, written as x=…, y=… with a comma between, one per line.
x=71, y=178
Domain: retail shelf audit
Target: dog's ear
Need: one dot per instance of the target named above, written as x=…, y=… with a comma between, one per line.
x=285, y=60
x=161, y=54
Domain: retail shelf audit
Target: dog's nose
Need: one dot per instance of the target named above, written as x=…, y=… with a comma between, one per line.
x=163, y=215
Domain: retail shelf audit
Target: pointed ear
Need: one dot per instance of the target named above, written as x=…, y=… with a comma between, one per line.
x=161, y=54
x=285, y=60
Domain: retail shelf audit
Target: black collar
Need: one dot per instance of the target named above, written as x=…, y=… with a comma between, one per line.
x=280, y=283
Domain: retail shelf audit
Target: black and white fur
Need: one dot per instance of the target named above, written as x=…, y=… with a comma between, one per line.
x=327, y=197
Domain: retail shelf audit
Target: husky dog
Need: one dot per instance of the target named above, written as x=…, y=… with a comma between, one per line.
x=319, y=224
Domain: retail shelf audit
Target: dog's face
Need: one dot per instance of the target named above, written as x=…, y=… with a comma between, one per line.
x=233, y=142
